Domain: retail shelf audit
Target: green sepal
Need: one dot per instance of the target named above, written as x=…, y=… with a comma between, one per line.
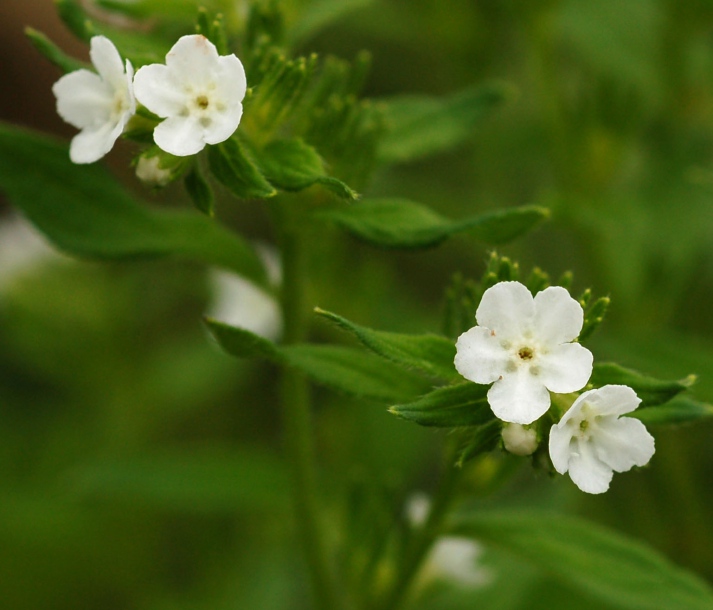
x=479, y=440
x=423, y=125
x=293, y=165
x=399, y=223
x=348, y=370
x=199, y=190
x=594, y=316
x=53, y=53
x=86, y=212
x=617, y=570
x=430, y=354
x=680, y=410
x=651, y=391
x=451, y=406
x=233, y=168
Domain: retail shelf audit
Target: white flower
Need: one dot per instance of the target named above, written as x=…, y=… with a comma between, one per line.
x=519, y=440
x=591, y=441
x=522, y=344
x=198, y=92
x=150, y=172
x=98, y=104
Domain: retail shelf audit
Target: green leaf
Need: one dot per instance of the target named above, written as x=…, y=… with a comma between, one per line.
x=651, y=391
x=480, y=439
x=680, y=410
x=235, y=170
x=83, y=210
x=344, y=369
x=430, y=354
x=191, y=478
x=453, y=406
x=423, y=125
x=176, y=10
x=293, y=165
x=399, y=223
x=605, y=564
x=317, y=14
x=52, y=52
x=199, y=191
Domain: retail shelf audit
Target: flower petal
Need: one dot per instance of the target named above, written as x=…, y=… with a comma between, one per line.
x=587, y=472
x=222, y=125
x=507, y=308
x=614, y=400
x=180, y=136
x=479, y=356
x=559, y=447
x=623, y=443
x=558, y=317
x=107, y=61
x=565, y=368
x=83, y=99
x=91, y=144
x=157, y=89
x=519, y=397
x=230, y=76
x=194, y=58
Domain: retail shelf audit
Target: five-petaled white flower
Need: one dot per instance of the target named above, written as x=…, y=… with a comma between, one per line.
x=522, y=344
x=98, y=104
x=591, y=441
x=198, y=92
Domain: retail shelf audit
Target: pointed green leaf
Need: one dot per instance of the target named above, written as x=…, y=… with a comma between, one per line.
x=422, y=125
x=680, y=410
x=178, y=10
x=344, y=369
x=609, y=566
x=83, y=210
x=52, y=52
x=651, y=391
x=480, y=439
x=430, y=354
x=199, y=191
x=452, y=406
x=399, y=223
x=192, y=478
x=293, y=165
x=235, y=170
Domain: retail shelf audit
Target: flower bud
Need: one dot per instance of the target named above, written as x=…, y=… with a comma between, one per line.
x=156, y=168
x=519, y=439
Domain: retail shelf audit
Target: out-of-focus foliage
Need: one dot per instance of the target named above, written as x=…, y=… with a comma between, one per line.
x=137, y=463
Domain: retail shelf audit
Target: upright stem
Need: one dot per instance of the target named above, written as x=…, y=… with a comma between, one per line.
x=297, y=421
x=424, y=538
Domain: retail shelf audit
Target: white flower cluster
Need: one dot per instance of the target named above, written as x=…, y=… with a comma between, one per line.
x=197, y=92
x=525, y=347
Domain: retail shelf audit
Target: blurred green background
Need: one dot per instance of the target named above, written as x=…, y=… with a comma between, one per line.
x=139, y=466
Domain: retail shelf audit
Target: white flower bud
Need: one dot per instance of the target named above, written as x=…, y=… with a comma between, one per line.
x=150, y=172
x=519, y=440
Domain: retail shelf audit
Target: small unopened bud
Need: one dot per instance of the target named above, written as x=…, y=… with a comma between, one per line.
x=519, y=440
x=157, y=168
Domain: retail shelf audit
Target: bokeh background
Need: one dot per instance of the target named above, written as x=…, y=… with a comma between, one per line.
x=139, y=466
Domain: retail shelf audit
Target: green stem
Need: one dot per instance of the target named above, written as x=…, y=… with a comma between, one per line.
x=423, y=540
x=297, y=421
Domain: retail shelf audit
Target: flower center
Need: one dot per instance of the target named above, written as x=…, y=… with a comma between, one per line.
x=526, y=353
x=202, y=102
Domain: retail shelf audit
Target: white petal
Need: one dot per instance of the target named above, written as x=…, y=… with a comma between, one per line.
x=519, y=397
x=565, y=368
x=230, y=77
x=614, y=400
x=559, y=447
x=194, y=58
x=83, y=99
x=180, y=136
x=91, y=144
x=156, y=88
x=222, y=125
x=623, y=443
x=479, y=356
x=507, y=308
x=587, y=472
x=558, y=317
x=107, y=61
